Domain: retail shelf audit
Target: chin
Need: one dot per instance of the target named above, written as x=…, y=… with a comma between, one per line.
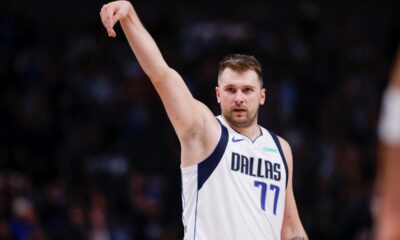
x=239, y=121
x=242, y=121
x=242, y=124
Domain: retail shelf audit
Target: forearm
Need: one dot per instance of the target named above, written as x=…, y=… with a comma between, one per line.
x=292, y=228
x=144, y=47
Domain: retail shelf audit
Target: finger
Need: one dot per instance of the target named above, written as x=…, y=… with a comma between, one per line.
x=103, y=16
x=109, y=12
x=117, y=16
x=106, y=17
x=112, y=33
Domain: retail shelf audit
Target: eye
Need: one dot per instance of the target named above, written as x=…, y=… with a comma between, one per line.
x=247, y=90
x=230, y=89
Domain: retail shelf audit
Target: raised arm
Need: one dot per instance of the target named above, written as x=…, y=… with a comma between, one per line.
x=387, y=219
x=188, y=116
x=292, y=229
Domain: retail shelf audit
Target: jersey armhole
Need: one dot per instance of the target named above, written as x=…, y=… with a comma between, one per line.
x=278, y=144
x=206, y=167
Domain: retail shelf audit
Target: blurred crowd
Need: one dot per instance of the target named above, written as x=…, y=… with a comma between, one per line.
x=86, y=148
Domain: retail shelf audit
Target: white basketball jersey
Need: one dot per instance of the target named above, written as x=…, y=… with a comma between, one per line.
x=238, y=192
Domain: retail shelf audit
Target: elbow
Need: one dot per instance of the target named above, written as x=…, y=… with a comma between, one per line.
x=160, y=74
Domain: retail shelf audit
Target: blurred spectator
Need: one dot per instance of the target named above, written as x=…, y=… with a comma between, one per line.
x=388, y=191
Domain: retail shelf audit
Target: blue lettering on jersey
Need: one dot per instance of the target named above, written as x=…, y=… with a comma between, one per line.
x=260, y=168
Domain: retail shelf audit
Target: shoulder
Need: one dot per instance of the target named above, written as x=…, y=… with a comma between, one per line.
x=287, y=151
x=206, y=124
x=282, y=142
x=200, y=143
x=285, y=146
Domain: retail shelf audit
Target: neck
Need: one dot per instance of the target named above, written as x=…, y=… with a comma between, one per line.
x=252, y=131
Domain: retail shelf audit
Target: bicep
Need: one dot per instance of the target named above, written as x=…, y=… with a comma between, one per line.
x=184, y=111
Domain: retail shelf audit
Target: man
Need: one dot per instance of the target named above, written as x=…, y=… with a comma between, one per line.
x=388, y=215
x=236, y=176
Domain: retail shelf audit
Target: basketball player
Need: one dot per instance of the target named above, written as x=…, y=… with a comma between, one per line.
x=388, y=217
x=236, y=175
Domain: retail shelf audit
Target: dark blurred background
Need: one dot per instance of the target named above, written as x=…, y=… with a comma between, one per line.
x=87, y=151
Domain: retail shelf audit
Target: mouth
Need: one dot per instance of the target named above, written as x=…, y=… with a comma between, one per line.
x=239, y=110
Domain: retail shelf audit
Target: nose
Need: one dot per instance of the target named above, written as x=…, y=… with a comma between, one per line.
x=239, y=97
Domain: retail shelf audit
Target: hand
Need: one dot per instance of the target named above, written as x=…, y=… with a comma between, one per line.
x=113, y=12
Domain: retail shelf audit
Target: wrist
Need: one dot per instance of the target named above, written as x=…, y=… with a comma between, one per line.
x=130, y=16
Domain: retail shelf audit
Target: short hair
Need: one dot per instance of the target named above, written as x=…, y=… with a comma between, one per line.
x=241, y=63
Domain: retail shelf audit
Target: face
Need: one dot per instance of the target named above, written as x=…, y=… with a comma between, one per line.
x=240, y=95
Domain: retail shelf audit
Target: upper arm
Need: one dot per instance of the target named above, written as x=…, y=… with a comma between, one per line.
x=194, y=123
x=187, y=115
x=291, y=226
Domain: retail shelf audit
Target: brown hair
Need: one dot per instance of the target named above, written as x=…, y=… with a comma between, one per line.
x=241, y=63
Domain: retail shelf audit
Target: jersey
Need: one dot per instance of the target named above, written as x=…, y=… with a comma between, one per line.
x=238, y=192
x=388, y=125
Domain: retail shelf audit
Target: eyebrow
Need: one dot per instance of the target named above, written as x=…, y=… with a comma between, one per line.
x=233, y=85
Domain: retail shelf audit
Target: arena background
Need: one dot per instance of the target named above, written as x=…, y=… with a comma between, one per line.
x=87, y=151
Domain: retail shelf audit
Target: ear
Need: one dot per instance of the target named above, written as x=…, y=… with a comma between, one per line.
x=262, y=96
x=217, y=93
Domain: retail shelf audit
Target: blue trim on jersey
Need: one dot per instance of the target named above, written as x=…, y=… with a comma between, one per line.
x=183, y=204
x=195, y=217
x=252, y=141
x=183, y=195
x=207, y=167
x=278, y=144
